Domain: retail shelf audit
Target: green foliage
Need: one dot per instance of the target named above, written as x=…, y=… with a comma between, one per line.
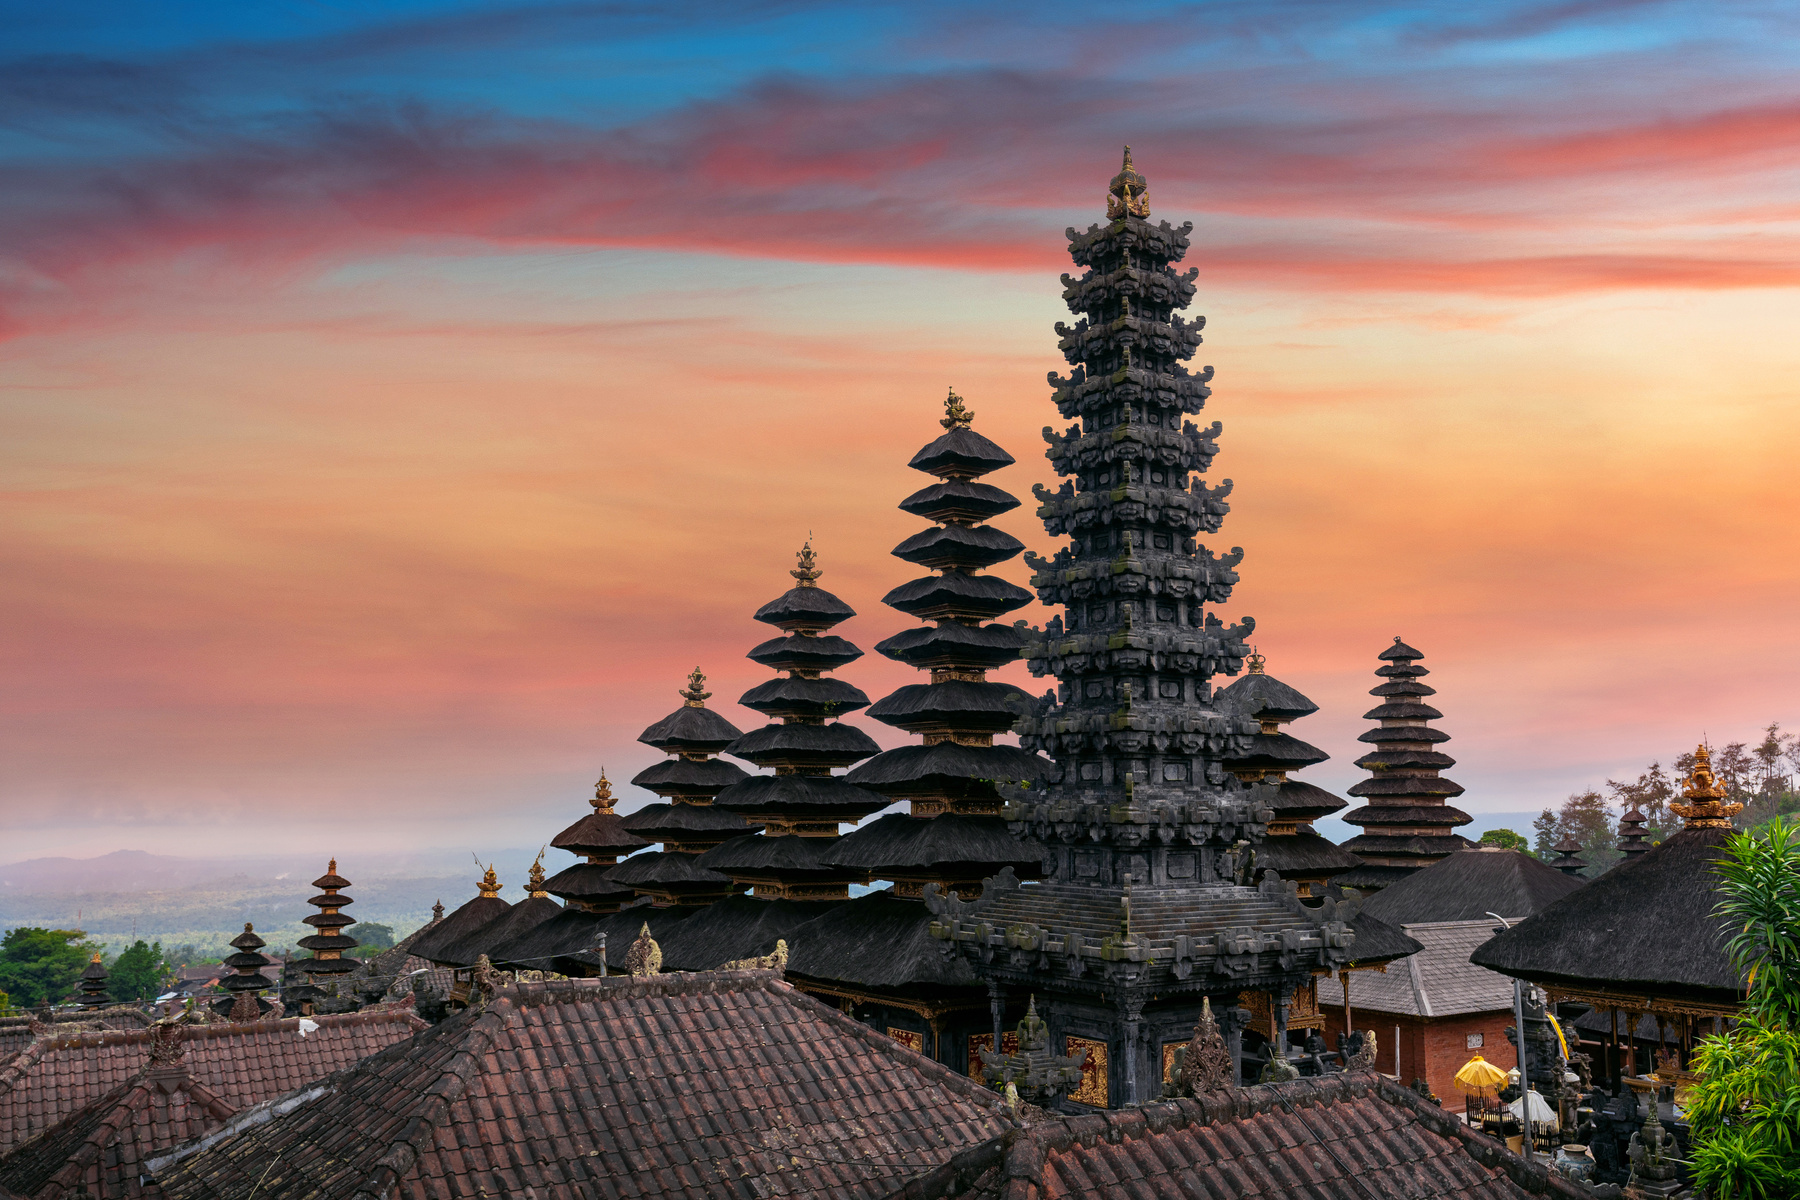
x=139, y=973
x=373, y=936
x=1506, y=839
x=1745, y=1111
x=5, y=1005
x=41, y=966
x=1543, y=834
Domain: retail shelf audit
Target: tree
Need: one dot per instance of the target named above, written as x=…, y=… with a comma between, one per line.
x=1585, y=817
x=1544, y=835
x=139, y=973
x=40, y=966
x=1506, y=839
x=1745, y=1111
x=1650, y=794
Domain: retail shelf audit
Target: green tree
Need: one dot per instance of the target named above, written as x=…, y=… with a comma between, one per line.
x=1544, y=835
x=1745, y=1111
x=374, y=937
x=40, y=966
x=1650, y=794
x=1506, y=839
x=139, y=973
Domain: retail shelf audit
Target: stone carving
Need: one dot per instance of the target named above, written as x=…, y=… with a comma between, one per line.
x=776, y=960
x=1036, y=1074
x=645, y=956
x=1204, y=1064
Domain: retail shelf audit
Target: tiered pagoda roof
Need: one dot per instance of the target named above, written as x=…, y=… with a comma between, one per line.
x=1144, y=900
x=320, y=974
x=1408, y=822
x=247, y=982
x=1293, y=850
x=687, y=824
x=92, y=988
x=802, y=804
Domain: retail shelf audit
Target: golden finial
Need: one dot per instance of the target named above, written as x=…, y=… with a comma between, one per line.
x=808, y=572
x=1129, y=194
x=332, y=869
x=1255, y=662
x=96, y=957
x=692, y=693
x=955, y=415
x=537, y=876
x=603, y=797
x=1706, y=806
x=490, y=884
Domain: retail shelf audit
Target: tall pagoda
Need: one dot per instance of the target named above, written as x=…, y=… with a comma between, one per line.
x=1144, y=914
x=1408, y=823
x=1293, y=849
x=802, y=805
x=876, y=953
x=329, y=943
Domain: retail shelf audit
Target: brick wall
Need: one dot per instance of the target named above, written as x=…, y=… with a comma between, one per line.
x=1436, y=1048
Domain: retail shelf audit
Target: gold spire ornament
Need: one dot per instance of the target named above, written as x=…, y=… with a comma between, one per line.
x=693, y=693
x=808, y=571
x=1254, y=664
x=536, y=878
x=603, y=797
x=1129, y=195
x=490, y=884
x=1706, y=806
x=955, y=415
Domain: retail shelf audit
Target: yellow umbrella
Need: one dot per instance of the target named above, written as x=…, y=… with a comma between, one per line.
x=1478, y=1075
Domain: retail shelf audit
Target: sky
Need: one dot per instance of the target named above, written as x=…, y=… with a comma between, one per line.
x=398, y=400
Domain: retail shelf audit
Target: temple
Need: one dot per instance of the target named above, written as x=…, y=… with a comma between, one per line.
x=1408, y=823
x=1146, y=909
x=320, y=975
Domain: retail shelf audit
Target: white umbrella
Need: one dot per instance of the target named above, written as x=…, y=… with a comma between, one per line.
x=1539, y=1109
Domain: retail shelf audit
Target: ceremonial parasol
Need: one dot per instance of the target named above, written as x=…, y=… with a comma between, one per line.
x=1479, y=1076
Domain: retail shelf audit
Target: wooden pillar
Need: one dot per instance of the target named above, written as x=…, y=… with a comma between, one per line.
x=1344, y=982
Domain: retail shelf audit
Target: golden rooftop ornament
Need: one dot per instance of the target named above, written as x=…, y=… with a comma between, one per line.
x=1129, y=194
x=1707, y=807
x=490, y=884
x=603, y=797
x=537, y=877
x=1255, y=662
x=955, y=415
x=692, y=693
x=808, y=572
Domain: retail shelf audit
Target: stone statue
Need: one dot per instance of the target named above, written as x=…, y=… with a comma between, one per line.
x=1204, y=1064
x=645, y=956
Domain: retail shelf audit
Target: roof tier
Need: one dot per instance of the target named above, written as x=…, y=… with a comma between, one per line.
x=521, y=918
x=691, y=730
x=959, y=596
x=736, y=928
x=964, y=705
x=948, y=768
x=816, y=797
x=588, y=883
x=686, y=823
x=959, y=547
x=960, y=501
x=1295, y=800
x=1275, y=752
x=467, y=918
x=1470, y=884
x=689, y=777
x=1303, y=854
x=803, y=652
x=1258, y=694
x=804, y=746
x=765, y=860
x=947, y=846
x=800, y=697
x=956, y=647
x=1400, y=788
x=601, y=834
x=960, y=453
x=808, y=608
x=1378, y=815
x=880, y=942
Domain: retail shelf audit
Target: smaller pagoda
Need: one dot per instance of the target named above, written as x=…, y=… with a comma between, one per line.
x=1634, y=837
x=244, y=987
x=92, y=987
x=802, y=805
x=1292, y=849
x=601, y=839
x=328, y=966
x=1408, y=823
x=687, y=824
x=1568, y=858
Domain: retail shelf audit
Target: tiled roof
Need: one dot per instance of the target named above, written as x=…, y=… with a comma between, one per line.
x=102, y=1148
x=725, y=1084
x=1438, y=981
x=1338, y=1137
x=242, y=1064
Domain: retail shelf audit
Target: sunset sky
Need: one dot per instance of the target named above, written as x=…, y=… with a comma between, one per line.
x=397, y=400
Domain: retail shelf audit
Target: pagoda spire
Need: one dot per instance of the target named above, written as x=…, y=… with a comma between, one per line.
x=1408, y=823
x=329, y=942
x=599, y=839
x=1145, y=827
x=1703, y=803
x=802, y=804
x=954, y=836
x=247, y=982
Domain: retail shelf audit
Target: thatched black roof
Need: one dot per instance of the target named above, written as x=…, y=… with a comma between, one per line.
x=790, y=696
x=622, y=928
x=1256, y=694
x=959, y=546
x=955, y=646
x=465, y=920
x=661, y=869
x=899, y=841
x=787, y=854
x=1374, y=816
x=690, y=777
x=1470, y=884
x=878, y=941
x=1644, y=927
x=521, y=918
x=1302, y=854
x=811, y=794
x=962, y=452
x=690, y=728
x=599, y=833
x=666, y=822
x=982, y=597
x=736, y=928
x=977, y=706
x=565, y=944
x=959, y=500
x=804, y=608
x=910, y=770
x=589, y=882
x=1298, y=800
x=1276, y=752
x=832, y=745
x=796, y=653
